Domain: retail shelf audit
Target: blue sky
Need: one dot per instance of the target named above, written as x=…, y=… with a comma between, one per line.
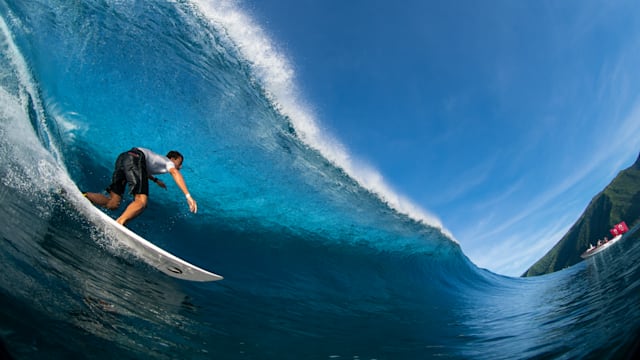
x=502, y=119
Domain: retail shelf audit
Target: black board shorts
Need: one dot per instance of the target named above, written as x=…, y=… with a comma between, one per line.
x=130, y=168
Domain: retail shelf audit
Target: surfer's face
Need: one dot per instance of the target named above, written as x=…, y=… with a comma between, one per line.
x=177, y=162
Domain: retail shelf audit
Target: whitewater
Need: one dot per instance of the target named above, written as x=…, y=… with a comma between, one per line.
x=321, y=258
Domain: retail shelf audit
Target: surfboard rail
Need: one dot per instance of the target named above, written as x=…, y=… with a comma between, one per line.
x=154, y=255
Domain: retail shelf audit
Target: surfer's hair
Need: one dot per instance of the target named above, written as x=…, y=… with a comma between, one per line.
x=174, y=155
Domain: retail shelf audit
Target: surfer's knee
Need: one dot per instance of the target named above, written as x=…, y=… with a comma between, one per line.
x=113, y=201
x=141, y=199
x=112, y=204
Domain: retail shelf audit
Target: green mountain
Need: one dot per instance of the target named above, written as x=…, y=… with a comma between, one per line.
x=619, y=201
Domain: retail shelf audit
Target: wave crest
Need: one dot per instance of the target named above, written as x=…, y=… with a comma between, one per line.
x=276, y=73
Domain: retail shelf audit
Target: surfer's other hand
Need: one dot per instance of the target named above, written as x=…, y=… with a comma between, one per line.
x=161, y=184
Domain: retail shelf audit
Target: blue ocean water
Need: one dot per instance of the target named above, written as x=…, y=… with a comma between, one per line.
x=316, y=265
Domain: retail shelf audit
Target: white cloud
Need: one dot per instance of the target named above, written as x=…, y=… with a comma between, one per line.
x=520, y=248
x=509, y=249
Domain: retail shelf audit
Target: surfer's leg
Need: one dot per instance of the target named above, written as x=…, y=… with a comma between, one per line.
x=135, y=208
x=110, y=202
x=96, y=199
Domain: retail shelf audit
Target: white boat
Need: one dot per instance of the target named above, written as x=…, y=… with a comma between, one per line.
x=596, y=249
x=617, y=232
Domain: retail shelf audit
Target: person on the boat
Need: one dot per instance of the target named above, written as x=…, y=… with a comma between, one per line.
x=136, y=167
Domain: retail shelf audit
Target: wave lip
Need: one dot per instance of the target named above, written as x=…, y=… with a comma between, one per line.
x=278, y=77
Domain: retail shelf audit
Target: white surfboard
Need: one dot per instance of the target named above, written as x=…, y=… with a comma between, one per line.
x=155, y=256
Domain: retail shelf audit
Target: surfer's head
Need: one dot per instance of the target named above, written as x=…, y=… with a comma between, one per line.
x=176, y=157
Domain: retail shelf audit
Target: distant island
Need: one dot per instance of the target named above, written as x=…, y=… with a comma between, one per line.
x=619, y=201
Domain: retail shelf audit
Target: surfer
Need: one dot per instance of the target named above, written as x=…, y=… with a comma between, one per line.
x=136, y=167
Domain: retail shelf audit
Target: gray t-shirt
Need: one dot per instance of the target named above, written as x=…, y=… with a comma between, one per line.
x=156, y=163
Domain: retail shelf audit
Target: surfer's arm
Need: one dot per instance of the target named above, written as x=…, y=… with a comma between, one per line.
x=177, y=177
x=158, y=181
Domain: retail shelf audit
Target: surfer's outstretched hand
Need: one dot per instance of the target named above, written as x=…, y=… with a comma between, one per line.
x=193, y=206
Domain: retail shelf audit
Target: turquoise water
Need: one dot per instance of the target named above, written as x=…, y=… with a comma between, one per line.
x=316, y=265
